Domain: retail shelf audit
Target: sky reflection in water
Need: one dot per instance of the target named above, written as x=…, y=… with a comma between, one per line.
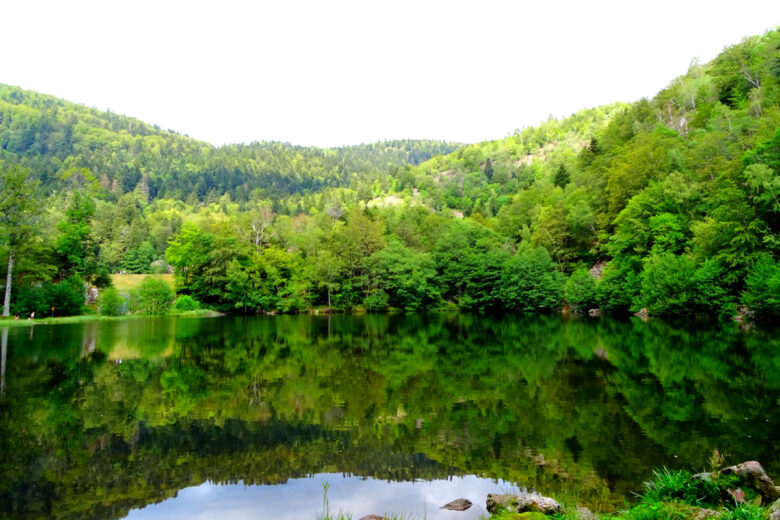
x=302, y=498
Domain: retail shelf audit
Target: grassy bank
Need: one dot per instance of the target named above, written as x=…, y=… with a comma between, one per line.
x=679, y=495
x=85, y=318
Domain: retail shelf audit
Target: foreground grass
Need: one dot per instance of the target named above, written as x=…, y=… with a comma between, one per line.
x=673, y=495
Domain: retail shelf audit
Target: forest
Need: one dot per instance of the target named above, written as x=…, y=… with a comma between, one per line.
x=669, y=204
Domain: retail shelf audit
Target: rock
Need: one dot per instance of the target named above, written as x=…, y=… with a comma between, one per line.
x=774, y=511
x=752, y=474
x=496, y=502
x=372, y=517
x=583, y=513
x=703, y=476
x=522, y=504
x=459, y=504
x=738, y=495
x=702, y=514
x=597, y=269
x=594, y=313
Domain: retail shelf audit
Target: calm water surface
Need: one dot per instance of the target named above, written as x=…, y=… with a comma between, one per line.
x=247, y=418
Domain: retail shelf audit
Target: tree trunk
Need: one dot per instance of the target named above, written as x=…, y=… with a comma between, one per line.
x=7, y=300
x=328, y=299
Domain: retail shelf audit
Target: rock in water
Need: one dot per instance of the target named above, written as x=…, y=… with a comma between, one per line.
x=752, y=474
x=522, y=504
x=459, y=504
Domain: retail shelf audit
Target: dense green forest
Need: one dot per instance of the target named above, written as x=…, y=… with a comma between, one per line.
x=669, y=204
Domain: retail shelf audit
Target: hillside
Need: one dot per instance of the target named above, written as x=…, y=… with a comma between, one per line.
x=674, y=199
x=52, y=137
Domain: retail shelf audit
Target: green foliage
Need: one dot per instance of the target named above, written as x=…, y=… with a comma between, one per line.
x=745, y=512
x=152, y=297
x=66, y=297
x=684, y=184
x=185, y=302
x=111, y=303
x=678, y=485
x=762, y=287
x=581, y=291
x=530, y=281
x=668, y=285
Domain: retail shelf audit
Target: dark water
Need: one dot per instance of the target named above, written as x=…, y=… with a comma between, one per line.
x=247, y=418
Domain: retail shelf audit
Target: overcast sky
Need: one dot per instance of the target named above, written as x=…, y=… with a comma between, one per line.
x=341, y=72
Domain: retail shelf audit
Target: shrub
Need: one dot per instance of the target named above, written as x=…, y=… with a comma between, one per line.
x=580, y=290
x=67, y=297
x=678, y=485
x=667, y=284
x=376, y=300
x=762, y=287
x=111, y=303
x=152, y=296
x=185, y=302
x=530, y=281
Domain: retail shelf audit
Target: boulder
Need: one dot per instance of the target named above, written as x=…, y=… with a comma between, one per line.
x=752, y=474
x=703, y=514
x=583, y=513
x=372, y=517
x=522, y=504
x=459, y=504
x=774, y=511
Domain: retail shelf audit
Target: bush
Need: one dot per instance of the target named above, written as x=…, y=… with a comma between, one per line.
x=762, y=287
x=668, y=285
x=678, y=485
x=530, y=281
x=111, y=303
x=376, y=300
x=580, y=290
x=152, y=296
x=185, y=302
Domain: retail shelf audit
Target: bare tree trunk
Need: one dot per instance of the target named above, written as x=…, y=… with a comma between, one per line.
x=7, y=300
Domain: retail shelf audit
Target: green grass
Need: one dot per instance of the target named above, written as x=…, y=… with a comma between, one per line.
x=679, y=486
x=85, y=318
x=125, y=282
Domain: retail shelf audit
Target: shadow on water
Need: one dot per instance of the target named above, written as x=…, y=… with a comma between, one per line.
x=101, y=418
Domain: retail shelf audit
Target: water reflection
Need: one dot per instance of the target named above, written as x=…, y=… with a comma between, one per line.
x=303, y=498
x=101, y=418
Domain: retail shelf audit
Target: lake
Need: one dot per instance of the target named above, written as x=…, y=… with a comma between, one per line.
x=255, y=417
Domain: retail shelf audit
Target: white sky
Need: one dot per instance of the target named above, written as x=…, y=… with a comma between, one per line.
x=329, y=73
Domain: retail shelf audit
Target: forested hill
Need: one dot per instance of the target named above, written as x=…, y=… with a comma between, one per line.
x=52, y=137
x=670, y=203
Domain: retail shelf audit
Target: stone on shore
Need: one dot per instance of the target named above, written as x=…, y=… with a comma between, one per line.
x=522, y=504
x=752, y=474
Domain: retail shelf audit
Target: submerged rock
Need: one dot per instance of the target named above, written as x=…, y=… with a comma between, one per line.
x=459, y=504
x=751, y=473
x=522, y=504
